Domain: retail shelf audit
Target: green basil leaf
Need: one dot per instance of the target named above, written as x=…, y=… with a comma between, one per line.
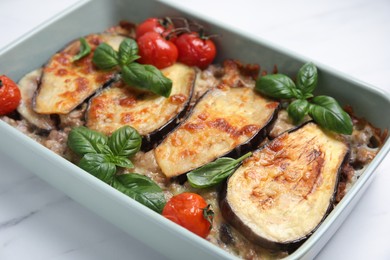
x=142, y=189
x=105, y=57
x=121, y=161
x=214, y=172
x=328, y=114
x=99, y=165
x=298, y=109
x=125, y=141
x=277, y=86
x=147, y=77
x=307, y=96
x=103, y=149
x=307, y=78
x=128, y=50
x=85, y=49
x=82, y=140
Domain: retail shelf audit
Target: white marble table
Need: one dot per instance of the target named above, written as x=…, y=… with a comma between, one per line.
x=352, y=36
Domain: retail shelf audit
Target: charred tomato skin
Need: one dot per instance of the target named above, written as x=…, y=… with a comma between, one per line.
x=187, y=209
x=9, y=95
x=156, y=50
x=194, y=50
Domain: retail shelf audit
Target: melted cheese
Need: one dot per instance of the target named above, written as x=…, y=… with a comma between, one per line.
x=284, y=190
x=222, y=120
x=28, y=85
x=66, y=84
x=147, y=112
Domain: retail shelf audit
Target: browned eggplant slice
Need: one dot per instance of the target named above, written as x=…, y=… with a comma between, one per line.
x=280, y=194
x=65, y=84
x=28, y=85
x=151, y=115
x=225, y=121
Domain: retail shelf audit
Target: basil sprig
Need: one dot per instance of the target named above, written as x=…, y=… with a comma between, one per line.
x=142, y=189
x=214, y=172
x=85, y=49
x=324, y=110
x=101, y=155
x=146, y=77
x=327, y=110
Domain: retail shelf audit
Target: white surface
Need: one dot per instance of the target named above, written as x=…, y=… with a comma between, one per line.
x=353, y=36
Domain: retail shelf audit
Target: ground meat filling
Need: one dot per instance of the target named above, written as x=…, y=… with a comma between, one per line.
x=364, y=145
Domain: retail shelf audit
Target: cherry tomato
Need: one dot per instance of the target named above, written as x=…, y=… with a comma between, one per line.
x=156, y=50
x=195, y=51
x=153, y=25
x=190, y=211
x=9, y=95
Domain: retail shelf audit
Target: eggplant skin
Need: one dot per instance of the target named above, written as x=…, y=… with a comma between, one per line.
x=225, y=121
x=65, y=83
x=28, y=85
x=281, y=194
x=151, y=115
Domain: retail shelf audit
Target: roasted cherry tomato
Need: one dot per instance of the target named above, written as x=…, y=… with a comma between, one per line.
x=190, y=211
x=9, y=95
x=195, y=51
x=156, y=50
x=153, y=25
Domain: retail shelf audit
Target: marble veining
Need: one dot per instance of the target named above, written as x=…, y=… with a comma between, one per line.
x=15, y=221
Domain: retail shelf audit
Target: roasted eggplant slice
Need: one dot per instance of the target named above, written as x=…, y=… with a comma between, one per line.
x=65, y=84
x=280, y=194
x=153, y=116
x=225, y=121
x=28, y=85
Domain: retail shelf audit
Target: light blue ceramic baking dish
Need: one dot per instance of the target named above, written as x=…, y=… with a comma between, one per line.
x=35, y=48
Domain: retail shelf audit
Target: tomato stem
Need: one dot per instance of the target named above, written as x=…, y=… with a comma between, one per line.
x=166, y=22
x=176, y=32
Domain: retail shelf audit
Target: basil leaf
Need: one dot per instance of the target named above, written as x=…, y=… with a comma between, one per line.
x=277, y=86
x=307, y=79
x=214, y=172
x=85, y=49
x=141, y=76
x=328, y=114
x=103, y=149
x=128, y=50
x=105, y=57
x=82, y=140
x=147, y=77
x=99, y=165
x=142, y=189
x=125, y=141
x=298, y=109
x=121, y=161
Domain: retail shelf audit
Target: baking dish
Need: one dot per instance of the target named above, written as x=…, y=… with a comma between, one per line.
x=98, y=196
